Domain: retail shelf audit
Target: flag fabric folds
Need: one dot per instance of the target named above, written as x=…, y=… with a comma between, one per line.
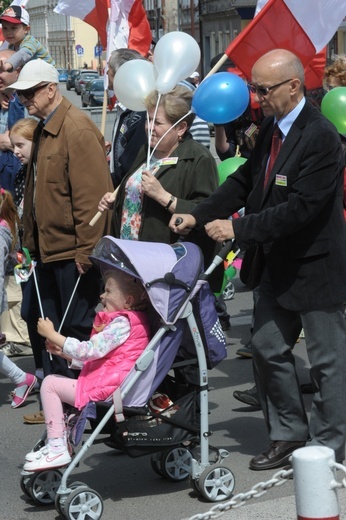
x=129, y=27
x=119, y=23
x=303, y=27
x=93, y=12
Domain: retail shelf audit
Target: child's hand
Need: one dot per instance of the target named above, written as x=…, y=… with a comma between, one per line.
x=45, y=327
x=53, y=348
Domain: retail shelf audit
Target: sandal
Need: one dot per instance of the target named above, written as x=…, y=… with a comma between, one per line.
x=35, y=418
x=22, y=390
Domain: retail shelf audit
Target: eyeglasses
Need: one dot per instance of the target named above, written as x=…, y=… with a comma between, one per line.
x=264, y=91
x=29, y=93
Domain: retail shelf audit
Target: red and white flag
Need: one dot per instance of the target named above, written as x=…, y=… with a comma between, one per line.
x=93, y=12
x=119, y=23
x=303, y=27
x=128, y=27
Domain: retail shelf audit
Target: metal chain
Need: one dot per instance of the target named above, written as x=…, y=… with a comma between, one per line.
x=278, y=479
x=335, y=483
x=260, y=489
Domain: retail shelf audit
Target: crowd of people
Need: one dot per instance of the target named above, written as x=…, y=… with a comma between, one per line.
x=54, y=174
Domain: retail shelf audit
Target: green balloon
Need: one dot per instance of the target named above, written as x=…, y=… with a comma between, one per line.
x=225, y=168
x=333, y=107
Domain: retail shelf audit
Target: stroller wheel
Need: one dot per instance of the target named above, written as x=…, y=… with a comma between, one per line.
x=83, y=504
x=155, y=461
x=60, y=498
x=216, y=483
x=228, y=291
x=24, y=482
x=176, y=463
x=43, y=486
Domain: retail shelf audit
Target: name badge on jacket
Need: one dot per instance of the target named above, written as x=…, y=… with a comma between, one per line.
x=281, y=180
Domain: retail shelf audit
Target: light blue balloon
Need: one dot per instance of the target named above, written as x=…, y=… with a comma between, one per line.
x=221, y=98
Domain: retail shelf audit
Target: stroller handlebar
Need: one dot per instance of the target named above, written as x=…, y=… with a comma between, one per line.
x=219, y=258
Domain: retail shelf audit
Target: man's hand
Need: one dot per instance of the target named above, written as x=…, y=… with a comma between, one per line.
x=82, y=268
x=182, y=223
x=220, y=230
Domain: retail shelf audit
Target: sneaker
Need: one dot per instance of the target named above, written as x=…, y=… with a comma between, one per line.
x=34, y=418
x=249, y=397
x=22, y=390
x=11, y=349
x=48, y=459
x=32, y=455
x=245, y=351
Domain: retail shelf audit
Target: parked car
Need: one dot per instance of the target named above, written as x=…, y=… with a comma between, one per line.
x=93, y=92
x=70, y=78
x=63, y=73
x=82, y=79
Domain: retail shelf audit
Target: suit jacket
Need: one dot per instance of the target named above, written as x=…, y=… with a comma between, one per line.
x=298, y=217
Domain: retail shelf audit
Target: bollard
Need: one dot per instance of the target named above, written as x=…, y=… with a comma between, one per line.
x=316, y=499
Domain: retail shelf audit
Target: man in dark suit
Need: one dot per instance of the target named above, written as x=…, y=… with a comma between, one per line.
x=294, y=230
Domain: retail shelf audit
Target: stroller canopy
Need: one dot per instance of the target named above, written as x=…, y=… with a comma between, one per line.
x=168, y=272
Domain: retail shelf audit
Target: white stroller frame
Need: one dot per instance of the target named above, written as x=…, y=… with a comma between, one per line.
x=214, y=481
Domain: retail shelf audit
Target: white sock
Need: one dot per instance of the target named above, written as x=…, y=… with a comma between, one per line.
x=57, y=445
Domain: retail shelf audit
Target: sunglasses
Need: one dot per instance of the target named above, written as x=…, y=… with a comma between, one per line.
x=29, y=93
x=264, y=91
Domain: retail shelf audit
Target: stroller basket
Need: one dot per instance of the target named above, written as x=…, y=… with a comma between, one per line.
x=143, y=434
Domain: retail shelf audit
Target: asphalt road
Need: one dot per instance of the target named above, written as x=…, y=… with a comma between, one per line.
x=129, y=487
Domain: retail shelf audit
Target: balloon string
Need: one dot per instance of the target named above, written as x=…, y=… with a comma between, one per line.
x=150, y=129
x=170, y=128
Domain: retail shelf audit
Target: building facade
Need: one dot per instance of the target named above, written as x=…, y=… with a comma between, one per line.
x=70, y=41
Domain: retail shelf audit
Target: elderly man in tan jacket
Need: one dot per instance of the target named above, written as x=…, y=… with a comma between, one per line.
x=66, y=177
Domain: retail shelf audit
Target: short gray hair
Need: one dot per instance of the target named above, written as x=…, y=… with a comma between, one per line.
x=121, y=56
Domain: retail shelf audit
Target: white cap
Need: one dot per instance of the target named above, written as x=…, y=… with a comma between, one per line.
x=15, y=14
x=35, y=72
x=194, y=75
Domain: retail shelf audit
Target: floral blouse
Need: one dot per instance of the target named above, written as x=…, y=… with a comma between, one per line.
x=131, y=217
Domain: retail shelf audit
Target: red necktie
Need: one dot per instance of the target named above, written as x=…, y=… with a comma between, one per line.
x=274, y=150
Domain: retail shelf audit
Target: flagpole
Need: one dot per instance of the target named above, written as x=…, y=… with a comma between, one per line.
x=104, y=113
x=216, y=67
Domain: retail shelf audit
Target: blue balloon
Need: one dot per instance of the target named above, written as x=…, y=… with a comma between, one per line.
x=221, y=98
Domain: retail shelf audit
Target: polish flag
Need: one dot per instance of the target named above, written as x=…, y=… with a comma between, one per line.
x=119, y=23
x=128, y=27
x=93, y=12
x=303, y=27
x=314, y=71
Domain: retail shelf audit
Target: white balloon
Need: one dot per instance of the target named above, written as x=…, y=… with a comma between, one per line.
x=176, y=56
x=133, y=81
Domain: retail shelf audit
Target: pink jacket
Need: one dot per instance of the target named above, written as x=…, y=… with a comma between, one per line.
x=100, y=378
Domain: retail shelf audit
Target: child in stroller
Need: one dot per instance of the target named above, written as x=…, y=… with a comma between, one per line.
x=178, y=436
x=120, y=333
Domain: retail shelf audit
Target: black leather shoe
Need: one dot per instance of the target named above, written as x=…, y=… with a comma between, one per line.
x=249, y=397
x=277, y=455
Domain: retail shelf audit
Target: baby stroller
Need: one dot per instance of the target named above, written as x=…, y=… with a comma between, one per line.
x=177, y=437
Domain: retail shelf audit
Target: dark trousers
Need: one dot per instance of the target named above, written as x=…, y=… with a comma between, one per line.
x=56, y=282
x=275, y=332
